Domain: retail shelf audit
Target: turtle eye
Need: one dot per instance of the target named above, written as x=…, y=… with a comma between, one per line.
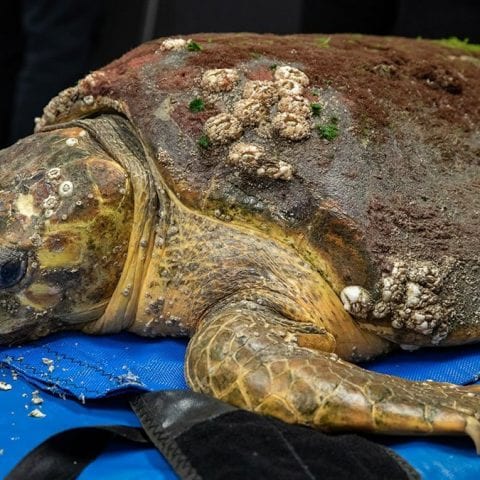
x=12, y=271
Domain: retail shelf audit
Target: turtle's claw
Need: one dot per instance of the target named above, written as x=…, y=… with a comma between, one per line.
x=472, y=429
x=473, y=388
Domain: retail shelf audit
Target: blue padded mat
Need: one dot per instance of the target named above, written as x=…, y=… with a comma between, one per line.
x=86, y=366
x=19, y=432
x=91, y=368
x=460, y=365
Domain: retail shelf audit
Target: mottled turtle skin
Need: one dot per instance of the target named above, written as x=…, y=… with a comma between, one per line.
x=291, y=203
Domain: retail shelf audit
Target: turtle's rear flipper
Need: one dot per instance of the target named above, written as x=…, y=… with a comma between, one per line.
x=249, y=356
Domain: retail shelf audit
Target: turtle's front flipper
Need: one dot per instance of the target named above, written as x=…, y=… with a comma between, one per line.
x=249, y=356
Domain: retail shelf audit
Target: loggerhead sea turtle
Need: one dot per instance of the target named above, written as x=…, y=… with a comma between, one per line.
x=294, y=204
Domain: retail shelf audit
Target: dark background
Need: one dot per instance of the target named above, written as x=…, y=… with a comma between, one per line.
x=47, y=45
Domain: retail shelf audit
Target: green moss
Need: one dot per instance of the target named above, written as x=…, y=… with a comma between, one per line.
x=316, y=109
x=273, y=67
x=330, y=130
x=193, y=46
x=204, y=141
x=455, y=42
x=196, y=105
x=323, y=42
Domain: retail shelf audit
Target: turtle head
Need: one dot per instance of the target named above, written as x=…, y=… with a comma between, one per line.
x=66, y=213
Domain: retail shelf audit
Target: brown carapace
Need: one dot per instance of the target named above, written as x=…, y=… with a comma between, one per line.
x=293, y=204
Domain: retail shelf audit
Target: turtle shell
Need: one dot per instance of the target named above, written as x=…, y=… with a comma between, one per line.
x=361, y=152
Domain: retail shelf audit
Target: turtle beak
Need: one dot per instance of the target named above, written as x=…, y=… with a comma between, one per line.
x=9, y=337
x=15, y=328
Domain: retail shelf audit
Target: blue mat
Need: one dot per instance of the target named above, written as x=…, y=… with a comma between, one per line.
x=93, y=368
x=89, y=367
x=19, y=432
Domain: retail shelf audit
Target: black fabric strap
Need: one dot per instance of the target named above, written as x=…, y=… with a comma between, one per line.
x=205, y=439
x=66, y=454
x=168, y=414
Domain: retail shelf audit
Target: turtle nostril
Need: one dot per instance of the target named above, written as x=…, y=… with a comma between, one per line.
x=13, y=266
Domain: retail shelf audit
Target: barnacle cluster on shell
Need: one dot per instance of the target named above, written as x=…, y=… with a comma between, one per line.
x=289, y=88
x=286, y=72
x=270, y=106
x=264, y=91
x=178, y=44
x=220, y=79
x=246, y=155
x=223, y=128
x=281, y=170
x=253, y=157
x=410, y=299
x=296, y=104
x=250, y=111
x=174, y=44
x=291, y=125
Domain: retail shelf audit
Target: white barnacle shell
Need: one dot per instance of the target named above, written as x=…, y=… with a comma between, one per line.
x=223, y=128
x=284, y=171
x=173, y=44
x=71, y=142
x=54, y=173
x=291, y=126
x=50, y=202
x=220, y=79
x=356, y=301
x=245, y=154
x=297, y=104
x=250, y=111
x=286, y=72
x=89, y=100
x=290, y=88
x=264, y=91
x=92, y=79
x=279, y=171
x=413, y=294
x=65, y=189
